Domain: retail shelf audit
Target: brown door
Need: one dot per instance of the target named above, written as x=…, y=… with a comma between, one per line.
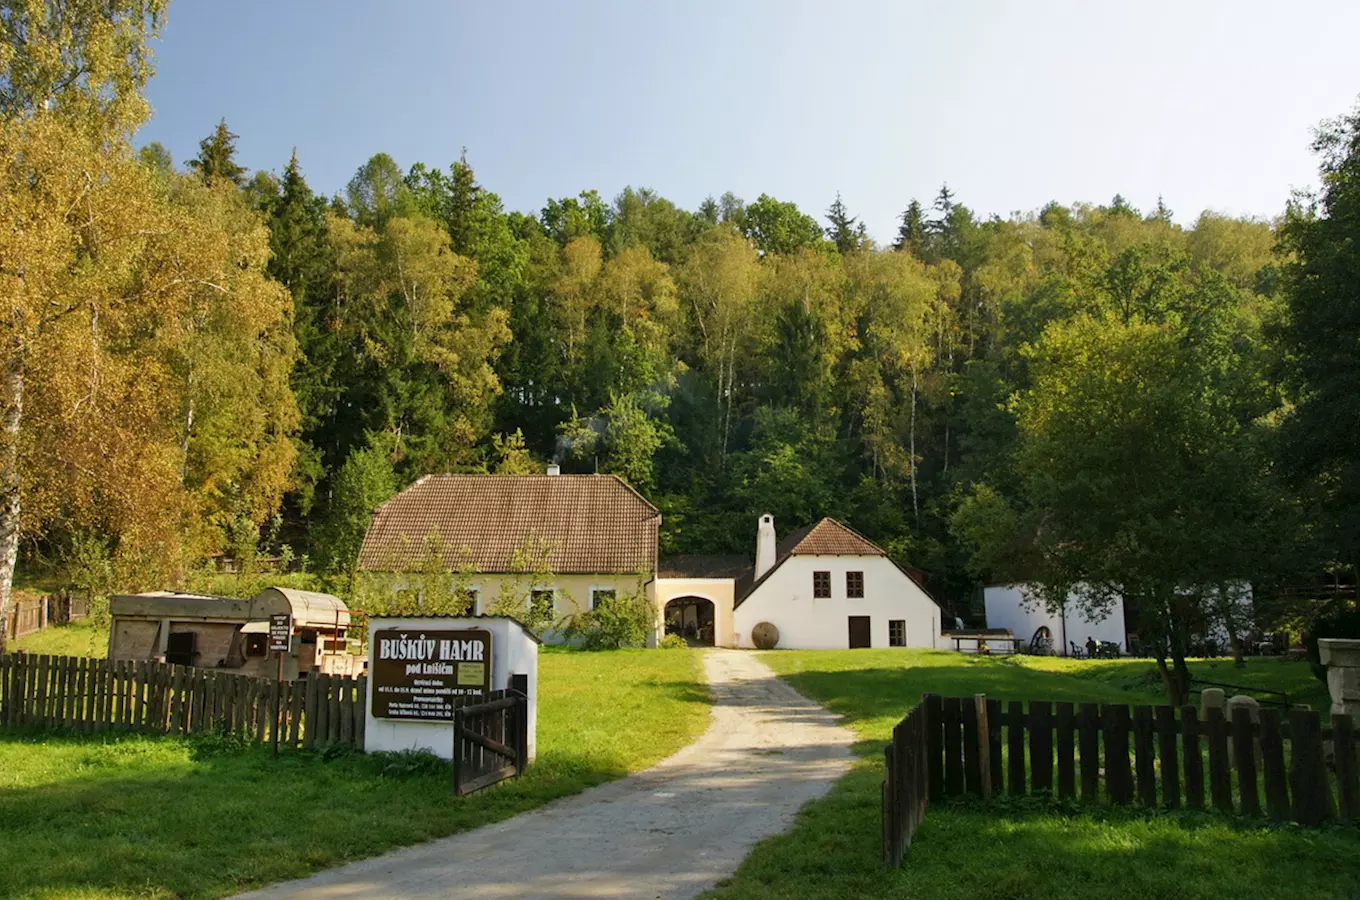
x=859, y=632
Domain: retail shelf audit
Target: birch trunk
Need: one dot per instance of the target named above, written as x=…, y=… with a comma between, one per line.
x=11, y=415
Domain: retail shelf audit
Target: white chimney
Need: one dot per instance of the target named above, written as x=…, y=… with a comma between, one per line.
x=554, y=469
x=764, y=545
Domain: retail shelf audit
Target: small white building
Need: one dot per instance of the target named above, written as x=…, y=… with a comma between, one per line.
x=1007, y=607
x=827, y=587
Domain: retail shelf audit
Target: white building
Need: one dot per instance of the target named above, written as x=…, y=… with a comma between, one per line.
x=1007, y=608
x=826, y=587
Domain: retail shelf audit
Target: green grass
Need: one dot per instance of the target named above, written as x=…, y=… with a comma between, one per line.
x=162, y=817
x=77, y=639
x=1030, y=847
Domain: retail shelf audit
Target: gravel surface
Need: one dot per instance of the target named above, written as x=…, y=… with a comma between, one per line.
x=671, y=831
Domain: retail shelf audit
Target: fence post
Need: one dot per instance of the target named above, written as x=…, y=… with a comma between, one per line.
x=457, y=748
x=984, y=744
x=1307, y=771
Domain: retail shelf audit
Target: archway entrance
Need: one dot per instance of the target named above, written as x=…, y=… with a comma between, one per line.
x=692, y=619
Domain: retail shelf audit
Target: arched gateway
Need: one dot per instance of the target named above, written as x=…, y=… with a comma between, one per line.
x=692, y=618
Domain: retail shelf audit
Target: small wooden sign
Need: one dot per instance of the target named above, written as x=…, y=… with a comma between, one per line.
x=280, y=632
x=416, y=674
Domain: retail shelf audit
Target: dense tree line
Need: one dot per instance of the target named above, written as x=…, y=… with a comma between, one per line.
x=1085, y=396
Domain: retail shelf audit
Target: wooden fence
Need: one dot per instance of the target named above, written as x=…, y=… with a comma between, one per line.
x=490, y=740
x=905, y=784
x=100, y=695
x=1289, y=766
x=27, y=615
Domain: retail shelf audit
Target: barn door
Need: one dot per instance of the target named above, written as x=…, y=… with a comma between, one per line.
x=859, y=632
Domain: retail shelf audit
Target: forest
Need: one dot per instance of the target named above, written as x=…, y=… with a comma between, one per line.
x=202, y=361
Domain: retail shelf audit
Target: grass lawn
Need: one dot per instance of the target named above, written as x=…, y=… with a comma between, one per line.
x=77, y=639
x=164, y=817
x=1030, y=847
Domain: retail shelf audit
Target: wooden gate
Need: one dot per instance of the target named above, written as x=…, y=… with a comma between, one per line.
x=490, y=740
x=907, y=769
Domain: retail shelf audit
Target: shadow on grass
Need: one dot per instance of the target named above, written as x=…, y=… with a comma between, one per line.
x=168, y=817
x=1036, y=848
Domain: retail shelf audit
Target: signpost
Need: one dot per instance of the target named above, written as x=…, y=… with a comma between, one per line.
x=417, y=674
x=280, y=639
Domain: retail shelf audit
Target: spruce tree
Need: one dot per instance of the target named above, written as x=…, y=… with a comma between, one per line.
x=217, y=157
x=911, y=233
x=842, y=232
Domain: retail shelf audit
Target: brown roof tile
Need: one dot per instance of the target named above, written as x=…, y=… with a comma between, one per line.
x=828, y=538
x=595, y=524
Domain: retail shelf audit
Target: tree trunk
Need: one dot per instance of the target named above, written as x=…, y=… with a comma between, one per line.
x=915, y=503
x=11, y=415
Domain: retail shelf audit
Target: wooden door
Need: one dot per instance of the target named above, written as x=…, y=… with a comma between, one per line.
x=860, y=632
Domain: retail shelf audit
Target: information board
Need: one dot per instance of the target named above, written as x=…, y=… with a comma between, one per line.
x=418, y=674
x=280, y=632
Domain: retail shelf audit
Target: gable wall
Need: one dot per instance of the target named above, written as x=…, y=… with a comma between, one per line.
x=785, y=600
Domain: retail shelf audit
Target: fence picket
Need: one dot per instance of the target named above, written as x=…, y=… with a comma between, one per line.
x=1272, y=766
x=1220, y=779
x=1144, y=766
x=953, y=747
x=934, y=721
x=309, y=728
x=1244, y=760
x=1041, y=745
x=1066, y=748
x=1343, y=754
x=1194, y=762
x=1015, y=748
x=996, y=762
x=1118, y=783
x=334, y=719
x=1307, y=771
x=972, y=751
x=347, y=711
x=1165, y=723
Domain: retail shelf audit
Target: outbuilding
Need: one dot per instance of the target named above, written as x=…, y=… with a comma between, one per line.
x=231, y=633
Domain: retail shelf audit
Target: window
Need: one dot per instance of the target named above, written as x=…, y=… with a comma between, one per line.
x=472, y=596
x=599, y=594
x=257, y=644
x=821, y=584
x=897, y=632
x=854, y=584
x=541, y=602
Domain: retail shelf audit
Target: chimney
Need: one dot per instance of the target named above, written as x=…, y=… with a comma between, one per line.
x=554, y=469
x=764, y=545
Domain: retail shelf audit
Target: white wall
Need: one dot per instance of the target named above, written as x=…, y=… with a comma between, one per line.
x=785, y=600
x=513, y=651
x=1006, y=608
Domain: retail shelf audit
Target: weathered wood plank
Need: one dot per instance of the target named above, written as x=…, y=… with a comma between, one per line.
x=1244, y=761
x=934, y=705
x=1220, y=776
x=1165, y=723
x=361, y=720
x=1041, y=745
x=972, y=757
x=953, y=746
x=1066, y=750
x=1347, y=778
x=1015, y=748
x=309, y=731
x=1273, y=771
x=1144, y=762
x=1194, y=761
x=1118, y=780
x=1308, y=785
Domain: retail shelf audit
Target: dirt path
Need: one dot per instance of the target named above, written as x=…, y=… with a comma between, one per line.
x=670, y=831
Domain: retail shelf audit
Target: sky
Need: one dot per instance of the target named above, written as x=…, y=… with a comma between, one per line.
x=1210, y=105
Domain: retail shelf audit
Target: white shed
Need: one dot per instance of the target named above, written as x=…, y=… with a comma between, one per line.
x=1007, y=608
x=826, y=587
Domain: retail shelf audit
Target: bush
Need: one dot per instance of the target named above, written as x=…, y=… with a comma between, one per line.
x=673, y=642
x=624, y=620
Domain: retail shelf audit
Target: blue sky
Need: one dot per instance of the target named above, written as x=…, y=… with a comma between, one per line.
x=1210, y=104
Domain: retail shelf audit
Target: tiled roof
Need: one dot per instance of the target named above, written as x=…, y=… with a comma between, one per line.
x=696, y=565
x=828, y=538
x=594, y=524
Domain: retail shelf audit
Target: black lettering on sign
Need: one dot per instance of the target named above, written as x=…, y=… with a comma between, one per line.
x=415, y=674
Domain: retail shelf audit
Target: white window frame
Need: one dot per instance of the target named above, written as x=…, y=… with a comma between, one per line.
x=601, y=588
x=529, y=598
x=476, y=591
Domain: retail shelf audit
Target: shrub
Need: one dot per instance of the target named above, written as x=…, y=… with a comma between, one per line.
x=624, y=620
x=672, y=642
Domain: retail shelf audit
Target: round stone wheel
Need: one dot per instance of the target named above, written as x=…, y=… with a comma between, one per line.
x=765, y=636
